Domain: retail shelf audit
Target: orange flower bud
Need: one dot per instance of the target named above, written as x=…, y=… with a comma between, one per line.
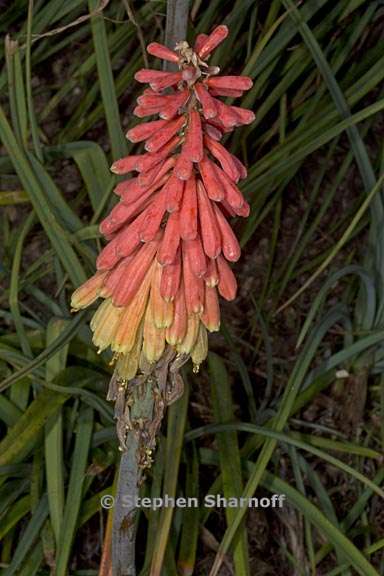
x=115, y=275
x=211, y=315
x=153, y=217
x=193, y=287
x=186, y=346
x=125, y=335
x=170, y=279
x=154, y=338
x=88, y=292
x=135, y=273
x=108, y=257
x=162, y=311
x=175, y=333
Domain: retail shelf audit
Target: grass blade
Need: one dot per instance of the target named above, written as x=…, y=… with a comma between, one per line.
x=53, y=446
x=229, y=455
x=75, y=490
x=107, y=86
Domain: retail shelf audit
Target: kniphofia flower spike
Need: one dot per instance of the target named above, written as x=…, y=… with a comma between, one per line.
x=169, y=240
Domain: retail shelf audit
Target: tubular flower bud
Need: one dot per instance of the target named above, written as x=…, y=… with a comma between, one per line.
x=162, y=311
x=104, y=324
x=170, y=279
x=154, y=337
x=184, y=165
x=194, y=137
x=200, y=350
x=211, y=277
x=88, y=292
x=169, y=240
x=212, y=41
x=128, y=364
x=211, y=315
x=175, y=333
x=162, y=52
x=188, y=211
x=186, y=346
x=143, y=131
x=208, y=224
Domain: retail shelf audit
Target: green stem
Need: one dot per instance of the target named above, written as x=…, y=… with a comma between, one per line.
x=128, y=484
x=130, y=475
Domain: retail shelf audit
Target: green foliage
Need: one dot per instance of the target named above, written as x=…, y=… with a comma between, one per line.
x=314, y=151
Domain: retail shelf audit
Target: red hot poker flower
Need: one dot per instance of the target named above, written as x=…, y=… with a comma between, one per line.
x=169, y=236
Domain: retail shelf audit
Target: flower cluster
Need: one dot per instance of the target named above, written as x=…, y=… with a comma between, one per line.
x=169, y=240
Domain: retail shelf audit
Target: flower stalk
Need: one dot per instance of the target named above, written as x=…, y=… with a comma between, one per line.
x=169, y=239
x=169, y=247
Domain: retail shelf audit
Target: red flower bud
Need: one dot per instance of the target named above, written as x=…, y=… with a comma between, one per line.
x=224, y=157
x=211, y=276
x=157, y=79
x=161, y=137
x=214, y=39
x=211, y=315
x=230, y=82
x=188, y=212
x=175, y=334
x=208, y=224
x=162, y=52
x=170, y=241
x=173, y=192
x=229, y=244
x=194, y=138
x=227, y=281
x=184, y=165
x=212, y=183
x=131, y=281
x=193, y=286
x=170, y=279
x=143, y=131
x=207, y=102
x=193, y=251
